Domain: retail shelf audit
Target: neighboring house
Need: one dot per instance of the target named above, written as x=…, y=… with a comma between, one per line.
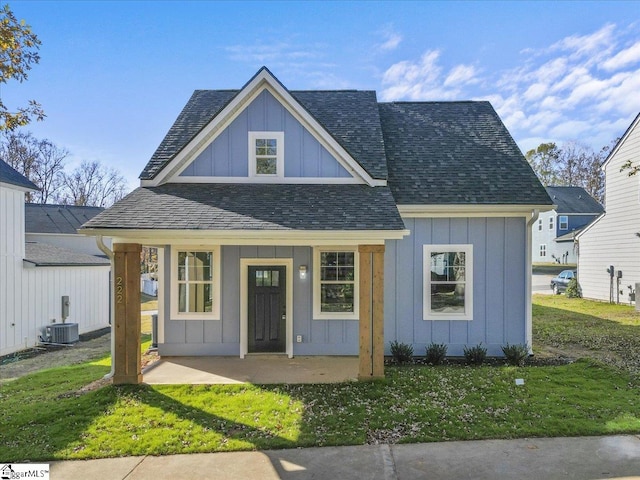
x=58, y=225
x=554, y=232
x=298, y=221
x=614, y=238
x=36, y=276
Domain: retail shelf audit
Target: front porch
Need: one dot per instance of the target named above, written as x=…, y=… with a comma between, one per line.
x=255, y=369
x=369, y=364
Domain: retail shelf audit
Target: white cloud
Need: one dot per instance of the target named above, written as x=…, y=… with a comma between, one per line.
x=577, y=88
x=623, y=58
x=460, y=74
x=390, y=39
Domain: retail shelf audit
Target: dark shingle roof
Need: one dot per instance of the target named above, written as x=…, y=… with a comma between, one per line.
x=13, y=177
x=253, y=207
x=349, y=116
x=455, y=153
x=574, y=200
x=44, y=218
x=44, y=255
x=196, y=114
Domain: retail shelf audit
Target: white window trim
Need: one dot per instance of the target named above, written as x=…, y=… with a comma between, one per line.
x=566, y=222
x=215, y=308
x=279, y=137
x=317, y=313
x=426, y=284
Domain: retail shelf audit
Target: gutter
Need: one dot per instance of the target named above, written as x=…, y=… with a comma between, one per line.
x=535, y=213
x=104, y=249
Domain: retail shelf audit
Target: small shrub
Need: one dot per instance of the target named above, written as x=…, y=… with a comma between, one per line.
x=515, y=354
x=573, y=289
x=436, y=352
x=475, y=355
x=402, y=352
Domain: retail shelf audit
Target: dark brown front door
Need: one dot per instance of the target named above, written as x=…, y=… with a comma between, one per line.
x=267, y=309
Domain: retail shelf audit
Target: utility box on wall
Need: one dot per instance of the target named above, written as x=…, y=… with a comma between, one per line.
x=637, y=303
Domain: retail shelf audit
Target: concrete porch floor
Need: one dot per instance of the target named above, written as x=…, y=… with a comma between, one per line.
x=258, y=369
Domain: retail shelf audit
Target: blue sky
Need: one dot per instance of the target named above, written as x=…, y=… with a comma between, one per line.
x=113, y=76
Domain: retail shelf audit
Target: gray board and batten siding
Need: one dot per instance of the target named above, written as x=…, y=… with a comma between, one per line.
x=304, y=155
x=498, y=297
x=222, y=337
x=498, y=290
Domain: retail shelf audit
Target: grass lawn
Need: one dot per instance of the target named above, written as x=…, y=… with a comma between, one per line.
x=147, y=302
x=44, y=417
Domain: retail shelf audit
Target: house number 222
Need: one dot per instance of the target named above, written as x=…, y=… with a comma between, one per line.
x=119, y=290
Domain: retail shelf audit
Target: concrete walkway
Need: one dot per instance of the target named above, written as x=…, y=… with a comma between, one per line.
x=580, y=458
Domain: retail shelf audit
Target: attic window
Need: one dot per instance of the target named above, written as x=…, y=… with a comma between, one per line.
x=266, y=154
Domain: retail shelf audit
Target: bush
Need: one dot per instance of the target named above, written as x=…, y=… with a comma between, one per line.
x=475, y=355
x=515, y=354
x=402, y=352
x=436, y=352
x=573, y=289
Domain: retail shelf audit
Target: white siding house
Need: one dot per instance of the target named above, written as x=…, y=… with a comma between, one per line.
x=613, y=239
x=35, y=276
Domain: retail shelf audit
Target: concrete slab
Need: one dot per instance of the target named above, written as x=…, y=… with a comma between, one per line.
x=256, y=369
x=101, y=469
x=541, y=458
x=231, y=466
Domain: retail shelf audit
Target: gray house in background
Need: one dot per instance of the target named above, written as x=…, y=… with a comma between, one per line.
x=58, y=225
x=555, y=231
x=265, y=203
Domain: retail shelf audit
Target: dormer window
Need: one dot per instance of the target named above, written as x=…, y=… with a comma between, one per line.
x=266, y=154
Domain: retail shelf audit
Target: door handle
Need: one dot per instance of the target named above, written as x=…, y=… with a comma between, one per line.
x=284, y=316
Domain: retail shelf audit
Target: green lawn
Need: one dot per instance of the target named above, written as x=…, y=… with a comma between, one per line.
x=42, y=416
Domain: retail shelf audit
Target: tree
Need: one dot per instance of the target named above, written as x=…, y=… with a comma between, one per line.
x=18, y=52
x=93, y=184
x=41, y=161
x=544, y=160
x=573, y=164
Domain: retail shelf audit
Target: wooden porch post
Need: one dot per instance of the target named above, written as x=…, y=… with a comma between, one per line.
x=371, y=312
x=126, y=289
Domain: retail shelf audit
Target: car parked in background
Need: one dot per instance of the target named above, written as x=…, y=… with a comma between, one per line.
x=559, y=283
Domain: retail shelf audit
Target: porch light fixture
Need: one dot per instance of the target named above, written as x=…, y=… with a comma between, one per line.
x=302, y=269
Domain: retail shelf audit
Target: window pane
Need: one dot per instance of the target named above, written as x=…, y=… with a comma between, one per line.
x=447, y=298
x=271, y=151
x=266, y=166
x=275, y=278
x=328, y=258
x=345, y=273
x=259, y=281
x=271, y=142
x=182, y=268
x=346, y=258
x=447, y=266
x=328, y=273
x=336, y=298
x=195, y=297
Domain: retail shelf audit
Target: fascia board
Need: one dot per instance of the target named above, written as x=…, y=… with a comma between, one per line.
x=264, y=80
x=624, y=137
x=249, y=237
x=588, y=227
x=470, y=210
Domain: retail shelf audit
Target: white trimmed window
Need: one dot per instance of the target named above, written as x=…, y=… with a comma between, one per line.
x=543, y=250
x=448, y=282
x=335, y=283
x=550, y=223
x=195, y=283
x=563, y=222
x=266, y=154
x=540, y=225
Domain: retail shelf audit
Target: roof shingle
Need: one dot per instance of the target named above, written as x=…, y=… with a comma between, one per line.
x=13, y=177
x=574, y=200
x=45, y=218
x=45, y=255
x=455, y=153
x=253, y=207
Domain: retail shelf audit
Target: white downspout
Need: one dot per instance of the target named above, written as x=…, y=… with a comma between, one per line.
x=527, y=289
x=109, y=254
